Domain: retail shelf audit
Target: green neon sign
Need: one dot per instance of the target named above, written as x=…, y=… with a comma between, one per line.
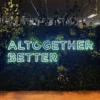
x=50, y=49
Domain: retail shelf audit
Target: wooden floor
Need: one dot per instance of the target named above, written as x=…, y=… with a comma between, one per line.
x=34, y=95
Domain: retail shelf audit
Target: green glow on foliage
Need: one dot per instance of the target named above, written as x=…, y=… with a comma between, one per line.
x=60, y=37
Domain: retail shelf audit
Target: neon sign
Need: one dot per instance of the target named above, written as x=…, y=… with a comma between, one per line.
x=46, y=52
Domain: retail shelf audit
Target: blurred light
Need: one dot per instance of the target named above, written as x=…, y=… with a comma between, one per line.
x=6, y=21
x=92, y=15
x=83, y=20
x=98, y=23
x=32, y=22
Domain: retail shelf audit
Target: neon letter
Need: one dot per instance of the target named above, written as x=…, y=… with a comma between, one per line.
x=28, y=57
x=89, y=45
x=44, y=58
x=12, y=45
x=20, y=46
x=81, y=45
x=53, y=57
x=28, y=43
x=11, y=57
x=35, y=46
x=71, y=45
x=63, y=45
x=47, y=45
x=20, y=57
x=37, y=56
x=55, y=45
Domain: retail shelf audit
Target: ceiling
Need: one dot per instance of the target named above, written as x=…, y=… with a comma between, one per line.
x=53, y=5
x=86, y=7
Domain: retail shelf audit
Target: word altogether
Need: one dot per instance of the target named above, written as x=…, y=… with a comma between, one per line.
x=46, y=46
